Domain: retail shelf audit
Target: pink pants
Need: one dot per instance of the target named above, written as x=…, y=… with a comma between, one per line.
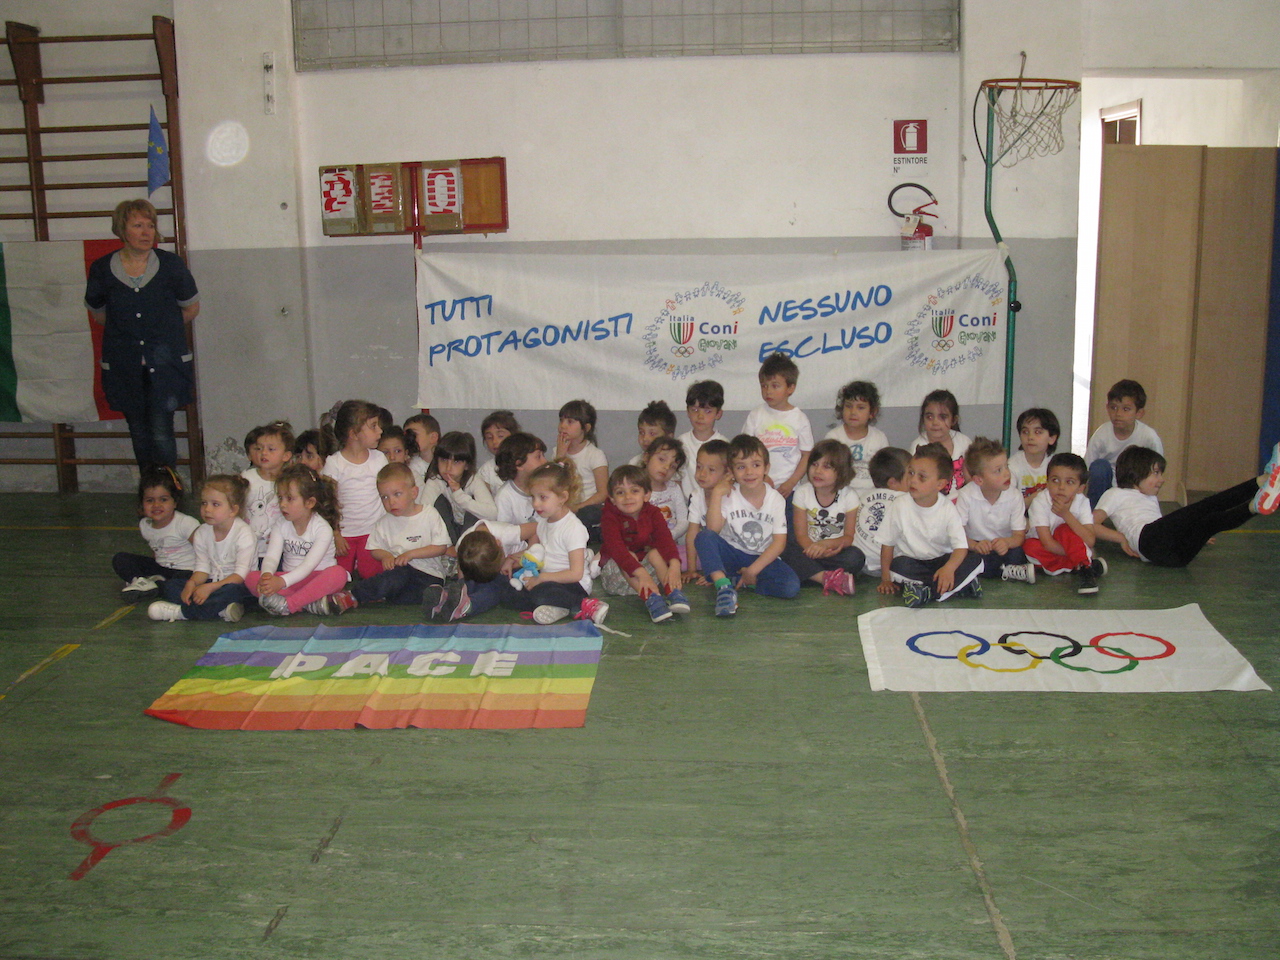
x=318, y=584
x=1077, y=554
x=359, y=559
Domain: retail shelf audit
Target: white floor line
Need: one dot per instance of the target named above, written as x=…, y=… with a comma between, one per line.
x=975, y=862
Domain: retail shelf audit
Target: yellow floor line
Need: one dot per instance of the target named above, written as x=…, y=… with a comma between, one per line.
x=54, y=657
x=119, y=614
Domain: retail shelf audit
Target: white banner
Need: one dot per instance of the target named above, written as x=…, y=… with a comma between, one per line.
x=534, y=330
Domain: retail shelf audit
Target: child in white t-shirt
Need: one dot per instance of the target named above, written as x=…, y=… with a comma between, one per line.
x=269, y=448
x=858, y=406
x=711, y=466
x=576, y=441
x=995, y=521
x=704, y=405
x=745, y=531
x=355, y=467
x=1174, y=539
x=167, y=532
x=889, y=474
x=495, y=428
x=824, y=515
x=922, y=543
x=1062, y=522
x=1038, y=432
x=518, y=456
x=782, y=428
x=940, y=424
x=663, y=462
x=1126, y=406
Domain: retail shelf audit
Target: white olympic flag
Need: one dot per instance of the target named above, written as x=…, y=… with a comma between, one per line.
x=533, y=330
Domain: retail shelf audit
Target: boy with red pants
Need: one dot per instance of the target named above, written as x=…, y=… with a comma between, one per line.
x=1062, y=520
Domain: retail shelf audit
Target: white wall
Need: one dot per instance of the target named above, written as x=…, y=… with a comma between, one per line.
x=1181, y=34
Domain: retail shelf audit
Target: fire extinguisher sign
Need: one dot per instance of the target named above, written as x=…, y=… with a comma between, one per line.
x=910, y=144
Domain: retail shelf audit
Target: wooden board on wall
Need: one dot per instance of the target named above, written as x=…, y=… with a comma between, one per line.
x=1148, y=254
x=1231, y=316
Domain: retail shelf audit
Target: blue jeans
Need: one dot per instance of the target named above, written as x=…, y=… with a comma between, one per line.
x=218, y=601
x=1101, y=474
x=151, y=430
x=130, y=566
x=717, y=554
x=993, y=564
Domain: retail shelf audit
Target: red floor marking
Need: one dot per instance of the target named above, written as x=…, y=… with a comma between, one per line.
x=80, y=829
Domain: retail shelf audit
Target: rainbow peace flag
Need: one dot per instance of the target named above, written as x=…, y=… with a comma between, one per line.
x=500, y=677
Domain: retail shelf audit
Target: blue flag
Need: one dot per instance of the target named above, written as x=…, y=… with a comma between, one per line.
x=157, y=157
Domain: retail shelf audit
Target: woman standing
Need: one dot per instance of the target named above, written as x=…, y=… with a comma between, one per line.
x=144, y=297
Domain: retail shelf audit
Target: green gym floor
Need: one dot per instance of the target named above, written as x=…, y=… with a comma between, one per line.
x=738, y=792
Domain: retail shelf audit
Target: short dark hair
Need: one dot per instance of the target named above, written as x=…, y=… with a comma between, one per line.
x=937, y=454
x=705, y=393
x=715, y=448
x=314, y=438
x=585, y=414
x=630, y=473
x=666, y=442
x=500, y=418
x=657, y=414
x=126, y=209
x=1046, y=418
x=744, y=445
x=948, y=400
x=480, y=556
x=1069, y=461
x=277, y=428
x=859, y=390
x=838, y=455
x=1135, y=464
x=1128, y=388
x=780, y=365
x=981, y=449
x=889, y=463
x=513, y=451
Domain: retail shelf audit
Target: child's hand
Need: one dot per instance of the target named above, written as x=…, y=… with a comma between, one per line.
x=1000, y=545
x=785, y=488
x=402, y=560
x=887, y=587
x=187, y=592
x=983, y=546
x=270, y=584
x=453, y=485
x=1124, y=545
x=389, y=563
x=646, y=582
x=202, y=593
x=694, y=577
x=509, y=565
x=675, y=578
x=531, y=582
x=747, y=578
x=1061, y=508
x=340, y=545
x=723, y=487
x=944, y=579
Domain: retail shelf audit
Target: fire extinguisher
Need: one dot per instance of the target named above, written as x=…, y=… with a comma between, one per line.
x=916, y=233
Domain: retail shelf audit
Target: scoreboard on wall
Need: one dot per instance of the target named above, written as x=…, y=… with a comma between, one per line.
x=421, y=198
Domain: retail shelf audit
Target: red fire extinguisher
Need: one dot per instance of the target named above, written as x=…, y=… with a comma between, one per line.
x=916, y=233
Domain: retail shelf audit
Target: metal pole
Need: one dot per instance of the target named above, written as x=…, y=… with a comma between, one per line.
x=1012, y=299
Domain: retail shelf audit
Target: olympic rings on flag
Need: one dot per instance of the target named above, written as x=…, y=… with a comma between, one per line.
x=943, y=344
x=1058, y=654
x=682, y=351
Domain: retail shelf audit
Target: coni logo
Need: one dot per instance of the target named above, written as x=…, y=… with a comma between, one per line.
x=681, y=329
x=944, y=321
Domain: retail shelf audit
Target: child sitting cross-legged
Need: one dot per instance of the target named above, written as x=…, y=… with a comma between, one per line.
x=408, y=541
x=745, y=530
x=711, y=466
x=1173, y=540
x=824, y=521
x=923, y=546
x=639, y=555
x=991, y=510
x=1062, y=520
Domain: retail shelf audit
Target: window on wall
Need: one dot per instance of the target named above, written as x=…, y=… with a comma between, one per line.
x=363, y=33
x=1123, y=123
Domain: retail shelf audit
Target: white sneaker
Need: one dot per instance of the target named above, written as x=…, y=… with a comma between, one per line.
x=275, y=605
x=232, y=612
x=548, y=614
x=165, y=610
x=1025, y=572
x=141, y=588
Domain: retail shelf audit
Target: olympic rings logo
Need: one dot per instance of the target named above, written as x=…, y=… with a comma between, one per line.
x=1057, y=653
x=943, y=344
x=682, y=351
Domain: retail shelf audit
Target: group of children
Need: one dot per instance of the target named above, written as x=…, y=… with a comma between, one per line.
x=363, y=511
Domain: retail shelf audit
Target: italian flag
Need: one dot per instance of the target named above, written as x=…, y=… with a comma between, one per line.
x=50, y=347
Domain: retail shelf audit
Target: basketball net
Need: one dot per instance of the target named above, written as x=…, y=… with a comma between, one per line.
x=1028, y=114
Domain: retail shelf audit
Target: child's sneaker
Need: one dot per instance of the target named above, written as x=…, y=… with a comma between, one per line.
x=593, y=610
x=342, y=602
x=1099, y=565
x=677, y=602
x=141, y=588
x=839, y=582
x=548, y=614
x=1088, y=578
x=971, y=589
x=454, y=603
x=232, y=612
x=165, y=610
x=1267, y=499
x=916, y=594
x=657, y=607
x=726, y=601
x=275, y=605
x=318, y=607
x=1023, y=572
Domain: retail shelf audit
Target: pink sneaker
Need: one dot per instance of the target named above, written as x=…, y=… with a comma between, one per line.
x=593, y=610
x=838, y=582
x=1267, y=499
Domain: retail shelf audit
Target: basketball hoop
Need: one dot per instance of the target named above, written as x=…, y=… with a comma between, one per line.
x=1028, y=114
